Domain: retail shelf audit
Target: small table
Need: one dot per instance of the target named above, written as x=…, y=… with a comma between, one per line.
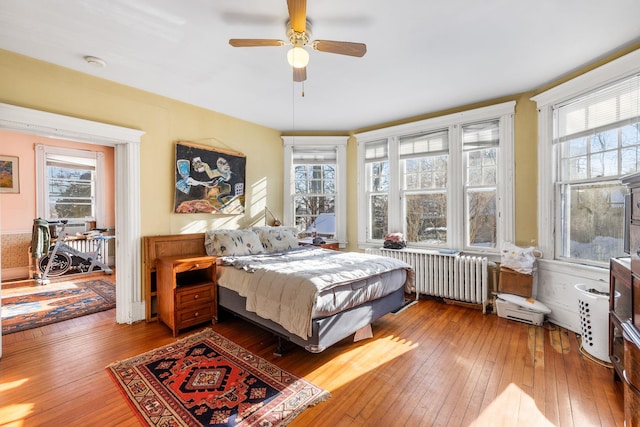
x=187, y=291
x=329, y=244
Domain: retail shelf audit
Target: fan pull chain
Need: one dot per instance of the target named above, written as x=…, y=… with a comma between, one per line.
x=303, y=89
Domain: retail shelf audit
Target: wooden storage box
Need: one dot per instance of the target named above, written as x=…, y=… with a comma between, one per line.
x=515, y=283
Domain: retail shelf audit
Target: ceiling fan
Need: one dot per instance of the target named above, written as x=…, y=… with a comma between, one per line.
x=299, y=36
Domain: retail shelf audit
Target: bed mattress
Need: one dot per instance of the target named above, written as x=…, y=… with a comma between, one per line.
x=293, y=287
x=333, y=300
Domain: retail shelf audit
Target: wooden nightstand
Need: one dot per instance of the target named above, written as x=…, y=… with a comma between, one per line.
x=330, y=244
x=187, y=291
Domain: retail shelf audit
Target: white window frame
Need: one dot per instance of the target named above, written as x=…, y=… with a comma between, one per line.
x=42, y=179
x=611, y=72
x=455, y=209
x=340, y=144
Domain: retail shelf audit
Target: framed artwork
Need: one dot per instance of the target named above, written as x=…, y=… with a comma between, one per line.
x=9, y=176
x=209, y=180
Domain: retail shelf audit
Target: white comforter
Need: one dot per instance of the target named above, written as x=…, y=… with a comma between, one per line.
x=283, y=286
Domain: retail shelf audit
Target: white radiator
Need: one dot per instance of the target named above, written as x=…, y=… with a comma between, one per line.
x=452, y=276
x=89, y=245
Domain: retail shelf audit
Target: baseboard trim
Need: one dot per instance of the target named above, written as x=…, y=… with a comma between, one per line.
x=15, y=273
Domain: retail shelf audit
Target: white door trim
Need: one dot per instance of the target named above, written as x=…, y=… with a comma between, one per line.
x=129, y=302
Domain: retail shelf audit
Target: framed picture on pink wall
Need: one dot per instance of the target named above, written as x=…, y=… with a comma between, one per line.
x=9, y=176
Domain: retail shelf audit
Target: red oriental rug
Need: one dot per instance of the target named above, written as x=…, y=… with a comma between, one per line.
x=35, y=306
x=208, y=380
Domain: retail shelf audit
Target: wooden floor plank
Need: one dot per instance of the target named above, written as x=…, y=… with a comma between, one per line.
x=433, y=364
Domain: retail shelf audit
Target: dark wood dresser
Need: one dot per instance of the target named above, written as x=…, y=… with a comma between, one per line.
x=624, y=308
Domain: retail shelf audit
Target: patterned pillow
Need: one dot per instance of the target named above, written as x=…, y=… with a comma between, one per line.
x=268, y=228
x=232, y=243
x=277, y=239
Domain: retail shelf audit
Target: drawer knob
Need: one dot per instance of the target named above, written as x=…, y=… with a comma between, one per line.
x=197, y=265
x=196, y=314
x=196, y=296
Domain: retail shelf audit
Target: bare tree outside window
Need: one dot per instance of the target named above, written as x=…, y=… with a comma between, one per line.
x=596, y=221
x=425, y=195
x=314, y=194
x=378, y=187
x=598, y=142
x=481, y=193
x=427, y=218
x=70, y=192
x=482, y=218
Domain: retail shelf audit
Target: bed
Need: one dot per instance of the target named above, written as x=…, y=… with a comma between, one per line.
x=310, y=296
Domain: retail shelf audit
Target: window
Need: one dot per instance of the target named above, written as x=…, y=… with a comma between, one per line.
x=595, y=140
x=69, y=185
x=480, y=145
x=443, y=182
x=424, y=160
x=377, y=188
x=314, y=197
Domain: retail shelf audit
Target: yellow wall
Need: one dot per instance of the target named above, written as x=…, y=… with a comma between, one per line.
x=42, y=86
x=38, y=85
x=526, y=171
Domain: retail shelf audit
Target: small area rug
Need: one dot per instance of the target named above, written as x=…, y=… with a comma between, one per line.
x=208, y=380
x=27, y=308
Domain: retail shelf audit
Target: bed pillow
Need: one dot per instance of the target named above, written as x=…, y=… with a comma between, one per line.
x=277, y=239
x=232, y=243
x=269, y=228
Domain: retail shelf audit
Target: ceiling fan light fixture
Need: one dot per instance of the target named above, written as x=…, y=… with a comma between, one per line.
x=298, y=57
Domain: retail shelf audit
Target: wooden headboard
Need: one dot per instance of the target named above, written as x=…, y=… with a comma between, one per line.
x=168, y=245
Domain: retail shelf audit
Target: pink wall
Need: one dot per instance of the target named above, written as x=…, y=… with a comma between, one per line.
x=19, y=210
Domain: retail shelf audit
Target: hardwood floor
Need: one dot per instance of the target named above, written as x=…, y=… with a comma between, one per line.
x=433, y=364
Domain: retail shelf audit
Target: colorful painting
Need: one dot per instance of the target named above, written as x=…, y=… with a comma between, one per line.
x=9, y=177
x=209, y=180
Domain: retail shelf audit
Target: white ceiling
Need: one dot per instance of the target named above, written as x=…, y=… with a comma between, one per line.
x=422, y=55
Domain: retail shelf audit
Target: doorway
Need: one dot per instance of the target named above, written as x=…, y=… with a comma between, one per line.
x=129, y=302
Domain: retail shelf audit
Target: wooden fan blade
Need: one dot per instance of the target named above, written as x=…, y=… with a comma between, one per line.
x=342, y=48
x=299, y=74
x=255, y=42
x=298, y=15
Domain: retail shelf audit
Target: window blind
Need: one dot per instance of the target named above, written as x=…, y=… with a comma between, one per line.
x=418, y=145
x=70, y=162
x=608, y=108
x=376, y=150
x=481, y=135
x=314, y=155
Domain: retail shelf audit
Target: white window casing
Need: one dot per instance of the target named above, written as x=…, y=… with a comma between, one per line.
x=455, y=209
x=340, y=145
x=609, y=73
x=42, y=189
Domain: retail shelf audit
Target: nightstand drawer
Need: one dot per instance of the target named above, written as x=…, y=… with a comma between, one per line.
x=192, y=265
x=195, y=315
x=194, y=295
